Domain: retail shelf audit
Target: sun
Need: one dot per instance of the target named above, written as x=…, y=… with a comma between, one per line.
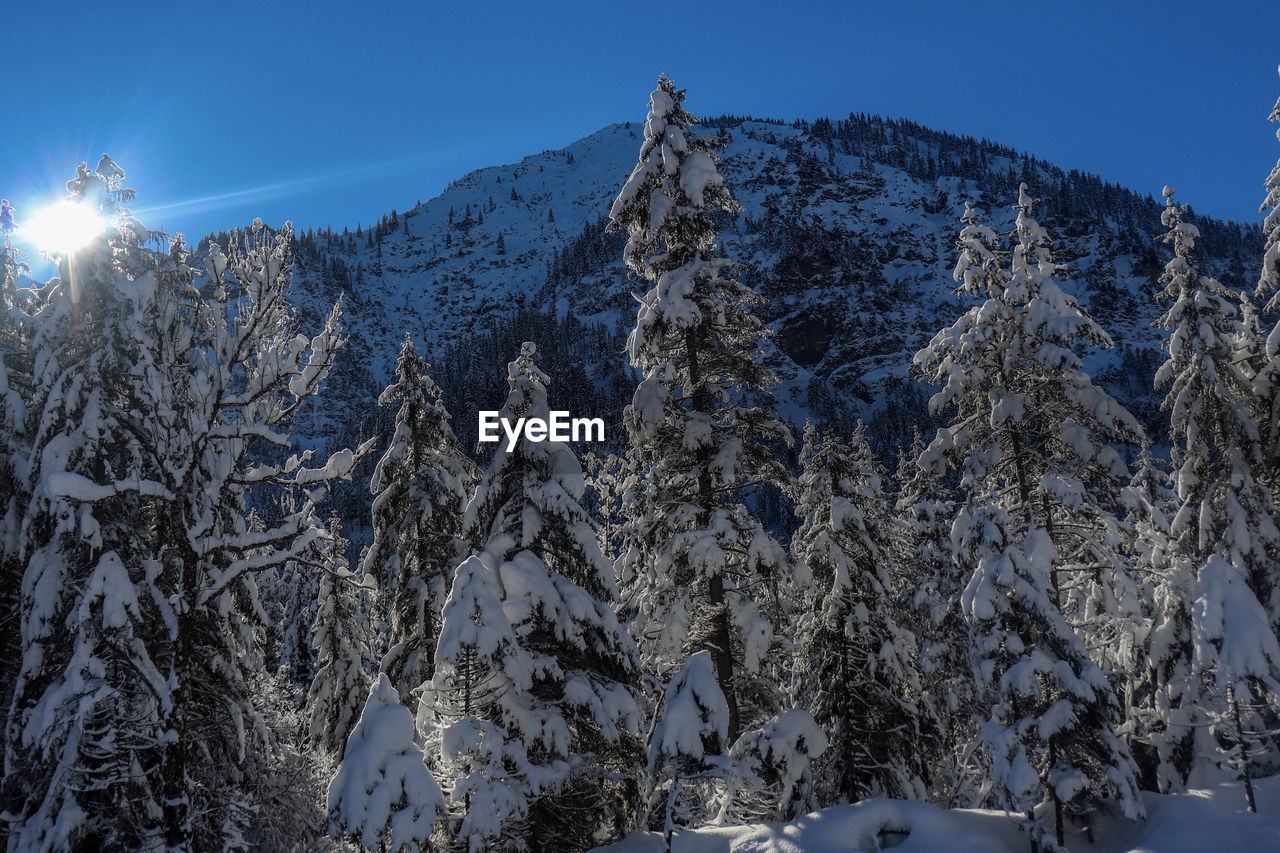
x=63, y=227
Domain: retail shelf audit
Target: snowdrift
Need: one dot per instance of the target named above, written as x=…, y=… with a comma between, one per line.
x=1212, y=819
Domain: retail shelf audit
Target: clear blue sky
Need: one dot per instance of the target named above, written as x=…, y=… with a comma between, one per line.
x=332, y=114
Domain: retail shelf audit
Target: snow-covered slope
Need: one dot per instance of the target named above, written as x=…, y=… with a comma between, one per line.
x=847, y=230
x=1195, y=822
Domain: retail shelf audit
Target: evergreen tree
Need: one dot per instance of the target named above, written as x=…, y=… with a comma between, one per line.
x=1153, y=647
x=383, y=796
x=1010, y=365
x=15, y=390
x=139, y=716
x=925, y=510
x=710, y=575
x=1053, y=710
x=421, y=486
x=559, y=592
x=1267, y=382
x=340, y=641
x=1223, y=522
x=300, y=585
x=687, y=749
x=480, y=720
x=858, y=666
x=1034, y=440
x=770, y=775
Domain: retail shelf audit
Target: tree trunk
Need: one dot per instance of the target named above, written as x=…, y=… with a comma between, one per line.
x=176, y=802
x=1244, y=751
x=720, y=641
x=1059, y=830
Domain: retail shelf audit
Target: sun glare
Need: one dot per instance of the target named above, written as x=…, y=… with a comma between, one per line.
x=63, y=227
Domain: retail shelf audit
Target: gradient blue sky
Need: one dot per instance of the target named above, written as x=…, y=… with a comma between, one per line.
x=332, y=114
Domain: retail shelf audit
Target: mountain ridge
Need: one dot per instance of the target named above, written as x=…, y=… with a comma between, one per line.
x=847, y=232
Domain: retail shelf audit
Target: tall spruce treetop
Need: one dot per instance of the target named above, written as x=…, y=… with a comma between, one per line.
x=668, y=203
x=421, y=485
x=1030, y=425
x=1224, y=507
x=711, y=576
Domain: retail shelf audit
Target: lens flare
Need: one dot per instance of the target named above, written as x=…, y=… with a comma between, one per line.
x=63, y=227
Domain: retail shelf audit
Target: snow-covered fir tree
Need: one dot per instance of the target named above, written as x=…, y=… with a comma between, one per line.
x=340, y=643
x=688, y=748
x=858, y=665
x=1034, y=439
x=383, y=796
x=1052, y=714
x=1029, y=423
x=421, y=486
x=138, y=593
x=770, y=774
x=92, y=618
x=299, y=588
x=15, y=390
x=925, y=510
x=1152, y=648
x=1223, y=522
x=289, y=600
x=1267, y=382
x=608, y=479
x=709, y=575
x=559, y=593
x=478, y=718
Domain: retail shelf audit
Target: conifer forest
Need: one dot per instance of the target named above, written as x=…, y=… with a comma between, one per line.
x=937, y=507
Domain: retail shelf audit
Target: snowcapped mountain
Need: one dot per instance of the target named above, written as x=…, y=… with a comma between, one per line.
x=847, y=231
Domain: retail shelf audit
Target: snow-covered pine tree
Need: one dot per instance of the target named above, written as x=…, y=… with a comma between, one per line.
x=1223, y=522
x=1033, y=438
x=299, y=585
x=92, y=617
x=1050, y=733
x=138, y=717
x=687, y=749
x=559, y=592
x=1029, y=423
x=421, y=486
x=770, y=774
x=340, y=640
x=1267, y=382
x=15, y=390
x=383, y=796
x=711, y=577
x=925, y=510
x=289, y=600
x=607, y=480
x=1152, y=649
x=858, y=663
x=477, y=717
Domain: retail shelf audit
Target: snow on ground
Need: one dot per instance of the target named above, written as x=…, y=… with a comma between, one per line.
x=1212, y=819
